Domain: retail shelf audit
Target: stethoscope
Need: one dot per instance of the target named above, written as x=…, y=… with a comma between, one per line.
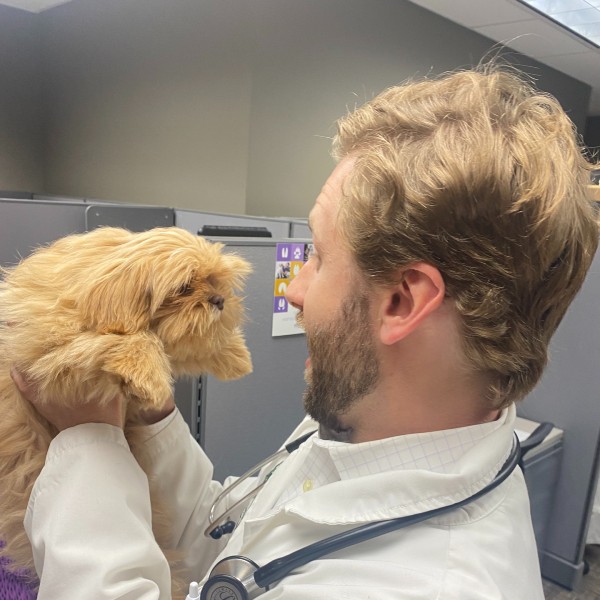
x=223, y=525
x=240, y=578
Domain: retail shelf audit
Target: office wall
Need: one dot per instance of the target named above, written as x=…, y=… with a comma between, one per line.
x=592, y=135
x=20, y=102
x=228, y=105
x=148, y=101
x=316, y=58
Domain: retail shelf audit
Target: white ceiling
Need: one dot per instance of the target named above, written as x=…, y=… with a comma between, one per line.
x=34, y=5
x=526, y=31
x=505, y=21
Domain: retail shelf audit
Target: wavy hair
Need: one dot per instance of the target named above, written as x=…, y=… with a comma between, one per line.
x=482, y=176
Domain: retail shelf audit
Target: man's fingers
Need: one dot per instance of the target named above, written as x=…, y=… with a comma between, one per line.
x=64, y=414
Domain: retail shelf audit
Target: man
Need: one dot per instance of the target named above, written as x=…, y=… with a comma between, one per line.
x=449, y=241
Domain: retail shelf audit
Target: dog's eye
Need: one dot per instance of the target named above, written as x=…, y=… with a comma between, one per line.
x=185, y=290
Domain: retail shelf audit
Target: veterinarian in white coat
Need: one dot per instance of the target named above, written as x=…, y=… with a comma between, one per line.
x=444, y=261
x=484, y=551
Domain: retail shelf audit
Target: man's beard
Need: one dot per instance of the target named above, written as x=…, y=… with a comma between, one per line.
x=343, y=364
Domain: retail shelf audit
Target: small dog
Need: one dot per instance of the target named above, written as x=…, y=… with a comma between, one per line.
x=104, y=313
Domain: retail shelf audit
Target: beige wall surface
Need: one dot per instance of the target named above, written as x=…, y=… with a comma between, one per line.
x=315, y=59
x=148, y=101
x=221, y=105
x=20, y=102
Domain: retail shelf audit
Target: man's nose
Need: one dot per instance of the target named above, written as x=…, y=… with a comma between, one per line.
x=293, y=293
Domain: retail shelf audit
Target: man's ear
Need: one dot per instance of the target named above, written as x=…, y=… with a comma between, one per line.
x=404, y=306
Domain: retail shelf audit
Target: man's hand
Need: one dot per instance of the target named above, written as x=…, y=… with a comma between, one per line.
x=63, y=417
x=155, y=415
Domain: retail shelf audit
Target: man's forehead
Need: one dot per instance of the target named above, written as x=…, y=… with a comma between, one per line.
x=341, y=171
x=322, y=212
x=327, y=202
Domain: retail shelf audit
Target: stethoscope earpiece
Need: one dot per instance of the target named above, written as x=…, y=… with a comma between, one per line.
x=221, y=530
x=216, y=531
x=232, y=579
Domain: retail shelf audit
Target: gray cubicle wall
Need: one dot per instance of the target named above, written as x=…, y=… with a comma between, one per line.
x=26, y=224
x=299, y=229
x=56, y=198
x=193, y=221
x=240, y=422
x=243, y=420
x=134, y=218
x=15, y=194
x=569, y=396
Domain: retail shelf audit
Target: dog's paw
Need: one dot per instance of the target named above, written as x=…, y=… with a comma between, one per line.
x=232, y=361
x=141, y=364
x=149, y=390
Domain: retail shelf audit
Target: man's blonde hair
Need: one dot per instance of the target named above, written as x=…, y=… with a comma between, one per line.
x=480, y=175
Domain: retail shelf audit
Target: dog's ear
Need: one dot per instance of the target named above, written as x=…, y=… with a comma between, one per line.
x=119, y=302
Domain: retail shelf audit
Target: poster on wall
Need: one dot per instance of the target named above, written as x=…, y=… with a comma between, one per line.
x=289, y=259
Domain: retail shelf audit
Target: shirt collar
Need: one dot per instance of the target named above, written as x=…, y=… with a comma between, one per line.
x=435, y=451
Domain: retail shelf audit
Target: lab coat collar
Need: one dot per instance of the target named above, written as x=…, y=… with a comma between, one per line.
x=389, y=494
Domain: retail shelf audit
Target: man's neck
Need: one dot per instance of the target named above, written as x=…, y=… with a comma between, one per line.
x=397, y=411
x=425, y=384
x=332, y=433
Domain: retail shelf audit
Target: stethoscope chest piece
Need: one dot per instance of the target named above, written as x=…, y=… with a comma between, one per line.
x=232, y=579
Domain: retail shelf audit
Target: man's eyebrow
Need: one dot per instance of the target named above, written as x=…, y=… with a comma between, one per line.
x=310, y=225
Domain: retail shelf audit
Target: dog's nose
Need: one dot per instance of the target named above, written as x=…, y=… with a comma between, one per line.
x=218, y=301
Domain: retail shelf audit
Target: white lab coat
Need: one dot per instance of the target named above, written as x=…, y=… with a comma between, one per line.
x=89, y=523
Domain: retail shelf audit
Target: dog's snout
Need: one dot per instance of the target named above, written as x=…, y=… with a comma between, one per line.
x=218, y=301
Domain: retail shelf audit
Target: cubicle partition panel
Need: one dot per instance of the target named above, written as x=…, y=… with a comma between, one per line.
x=16, y=195
x=299, y=229
x=240, y=422
x=569, y=396
x=26, y=224
x=134, y=218
x=56, y=198
x=194, y=221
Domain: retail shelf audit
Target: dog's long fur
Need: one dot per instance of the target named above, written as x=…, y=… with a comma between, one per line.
x=104, y=313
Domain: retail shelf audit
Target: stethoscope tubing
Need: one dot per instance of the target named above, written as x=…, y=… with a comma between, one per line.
x=277, y=569
x=213, y=524
x=244, y=579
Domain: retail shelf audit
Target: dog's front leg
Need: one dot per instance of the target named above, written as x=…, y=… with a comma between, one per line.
x=232, y=360
x=96, y=366
x=139, y=360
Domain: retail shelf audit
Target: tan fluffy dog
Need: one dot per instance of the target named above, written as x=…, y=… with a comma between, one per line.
x=104, y=313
